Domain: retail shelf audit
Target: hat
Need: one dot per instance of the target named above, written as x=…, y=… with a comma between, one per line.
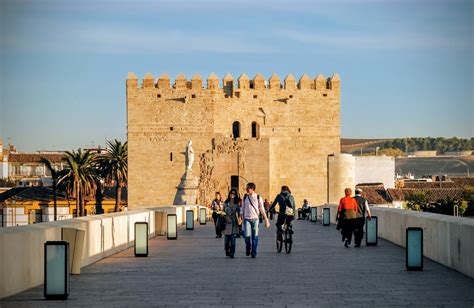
x=358, y=190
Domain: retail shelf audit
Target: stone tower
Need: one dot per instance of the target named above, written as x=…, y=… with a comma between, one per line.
x=244, y=130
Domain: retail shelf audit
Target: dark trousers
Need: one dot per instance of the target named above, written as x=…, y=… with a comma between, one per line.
x=359, y=230
x=229, y=245
x=215, y=217
x=347, y=229
x=282, y=218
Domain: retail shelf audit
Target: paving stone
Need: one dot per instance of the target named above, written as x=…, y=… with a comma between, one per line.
x=319, y=272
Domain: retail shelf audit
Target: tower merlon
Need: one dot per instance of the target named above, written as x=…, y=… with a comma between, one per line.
x=259, y=82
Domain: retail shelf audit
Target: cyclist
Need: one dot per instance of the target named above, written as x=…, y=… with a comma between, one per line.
x=287, y=209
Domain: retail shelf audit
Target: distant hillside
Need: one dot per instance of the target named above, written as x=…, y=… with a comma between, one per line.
x=440, y=144
x=420, y=166
x=354, y=146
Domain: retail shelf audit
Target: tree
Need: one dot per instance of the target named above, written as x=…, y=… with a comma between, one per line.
x=115, y=167
x=79, y=177
x=392, y=152
x=417, y=201
x=54, y=175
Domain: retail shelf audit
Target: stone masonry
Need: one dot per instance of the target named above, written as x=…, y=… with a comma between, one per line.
x=269, y=133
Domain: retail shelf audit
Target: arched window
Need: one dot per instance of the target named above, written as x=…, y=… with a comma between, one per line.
x=236, y=129
x=255, y=130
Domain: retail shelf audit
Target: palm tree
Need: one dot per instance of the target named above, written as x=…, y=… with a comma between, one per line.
x=79, y=177
x=115, y=167
x=54, y=175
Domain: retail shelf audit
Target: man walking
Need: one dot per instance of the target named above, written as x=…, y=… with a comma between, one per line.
x=362, y=209
x=252, y=206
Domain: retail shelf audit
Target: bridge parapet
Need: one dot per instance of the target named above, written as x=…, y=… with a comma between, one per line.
x=447, y=239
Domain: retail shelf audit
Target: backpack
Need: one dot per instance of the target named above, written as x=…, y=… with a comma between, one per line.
x=289, y=208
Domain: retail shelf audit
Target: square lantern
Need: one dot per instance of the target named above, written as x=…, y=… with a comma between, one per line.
x=172, y=228
x=141, y=239
x=189, y=220
x=202, y=216
x=314, y=214
x=414, y=249
x=56, y=270
x=371, y=231
x=326, y=216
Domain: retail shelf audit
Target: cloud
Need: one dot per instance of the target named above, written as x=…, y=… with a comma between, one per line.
x=411, y=40
x=116, y=39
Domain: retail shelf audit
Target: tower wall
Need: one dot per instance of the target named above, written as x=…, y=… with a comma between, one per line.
x=298, y=127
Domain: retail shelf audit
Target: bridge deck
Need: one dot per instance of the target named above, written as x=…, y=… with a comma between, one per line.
x=319, y=272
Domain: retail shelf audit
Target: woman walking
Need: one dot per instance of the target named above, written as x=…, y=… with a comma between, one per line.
x=217, y=207
x=233, y=221
x=347, y=211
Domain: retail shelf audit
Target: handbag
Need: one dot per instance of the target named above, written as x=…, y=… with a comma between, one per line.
x=239, y=219
x=221, y=223
x=288, y=209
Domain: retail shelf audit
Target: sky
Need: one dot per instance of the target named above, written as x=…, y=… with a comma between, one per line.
x=406, y=66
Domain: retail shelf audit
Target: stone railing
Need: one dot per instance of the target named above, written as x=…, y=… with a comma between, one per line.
x=446, y=239
x=22, y=248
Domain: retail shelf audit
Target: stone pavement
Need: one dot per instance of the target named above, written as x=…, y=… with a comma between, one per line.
x=193, y=271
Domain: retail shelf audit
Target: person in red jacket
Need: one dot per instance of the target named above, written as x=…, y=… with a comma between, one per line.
x=347, y=211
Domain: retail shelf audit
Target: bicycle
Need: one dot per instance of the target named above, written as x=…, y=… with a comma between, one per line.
x=285, y=236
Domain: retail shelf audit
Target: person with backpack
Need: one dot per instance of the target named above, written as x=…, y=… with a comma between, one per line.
x=287, y=210
x=251, y=207
x=233, y=221
x=362, y=210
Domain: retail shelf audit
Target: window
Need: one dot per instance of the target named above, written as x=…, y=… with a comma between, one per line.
x=193, y=96
x=234, y=182
x=171, y=156
x=255, y=96
x=171, y=128
x=236, y=129
x=159, y=96
x=255, y=130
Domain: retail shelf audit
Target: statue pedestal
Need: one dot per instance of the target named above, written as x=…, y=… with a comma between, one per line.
x=187, y=189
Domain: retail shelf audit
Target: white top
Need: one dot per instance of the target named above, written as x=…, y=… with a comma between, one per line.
x=251, y=211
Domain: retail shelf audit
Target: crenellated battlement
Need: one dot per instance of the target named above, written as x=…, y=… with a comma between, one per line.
x=228, y=84
x=285, y=126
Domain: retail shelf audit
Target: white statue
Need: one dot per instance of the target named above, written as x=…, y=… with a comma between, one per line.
x=189, y=156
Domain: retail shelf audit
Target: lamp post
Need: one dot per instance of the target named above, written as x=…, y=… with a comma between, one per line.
x=202, y=216
x=56, y=270
x=314, y=214
x=189, y=220
x=414, y=249
x=371, y=232
x=141, y=239
x=172, y=226
x=326, y=216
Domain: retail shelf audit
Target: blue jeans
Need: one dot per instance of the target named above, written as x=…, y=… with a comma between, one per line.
x=251, y=236
x=229, y=244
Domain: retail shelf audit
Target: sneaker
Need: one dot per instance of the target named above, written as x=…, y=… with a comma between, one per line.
x=254, y=256
x=357, y=245
x=231, y=256
x=346, y=244
x=247, y=253
x=227, y=253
